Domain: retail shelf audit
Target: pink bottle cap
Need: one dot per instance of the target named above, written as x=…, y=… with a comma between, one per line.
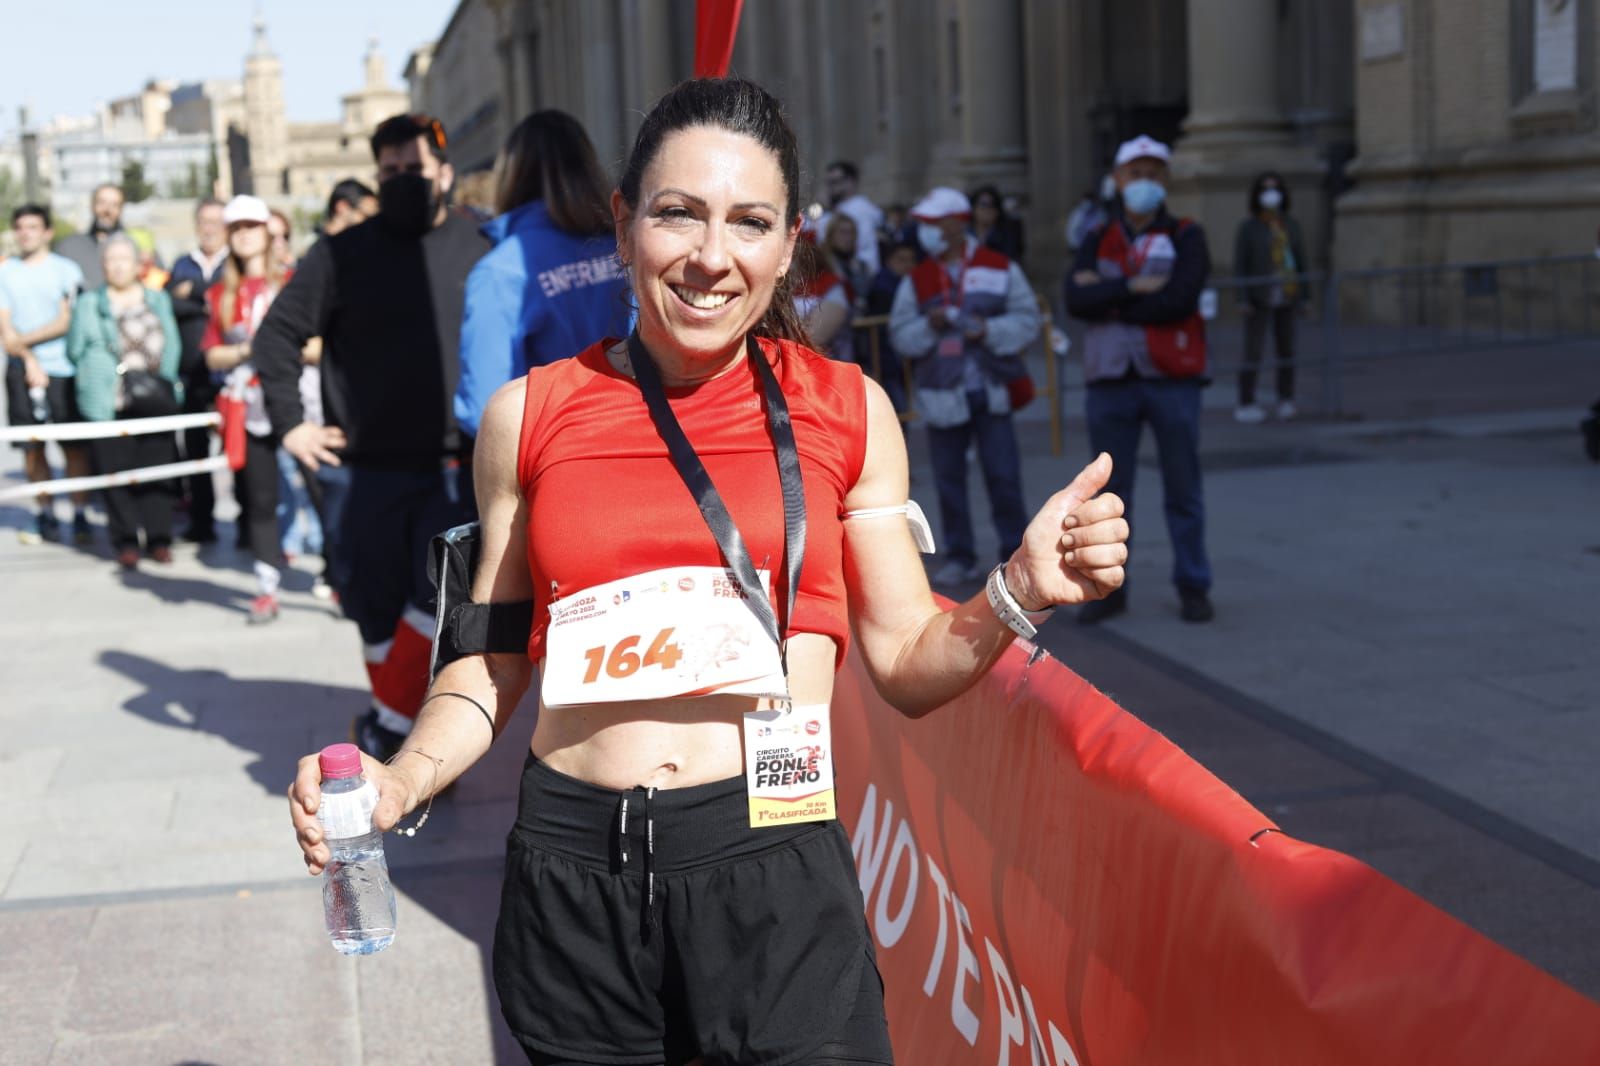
x=340, y=760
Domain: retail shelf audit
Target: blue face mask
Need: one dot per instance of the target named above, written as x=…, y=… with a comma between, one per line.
x=1143, y=196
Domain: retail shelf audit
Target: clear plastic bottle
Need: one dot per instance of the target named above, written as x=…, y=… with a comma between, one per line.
x=357, y=898
x=39, y=398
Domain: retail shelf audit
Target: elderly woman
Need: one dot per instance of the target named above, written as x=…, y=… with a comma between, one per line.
x=677, y=888
x=124, y=343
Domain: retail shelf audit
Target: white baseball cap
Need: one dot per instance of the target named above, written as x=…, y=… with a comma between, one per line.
x=1142, y=147
x=942, y=202
x=246, y=209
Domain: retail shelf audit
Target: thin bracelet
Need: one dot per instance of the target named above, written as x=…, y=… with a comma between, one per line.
x=487, y=717
x=411, y=831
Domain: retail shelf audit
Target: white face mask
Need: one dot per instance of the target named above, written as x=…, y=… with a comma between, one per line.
x=931, y=238
x=1271, y=199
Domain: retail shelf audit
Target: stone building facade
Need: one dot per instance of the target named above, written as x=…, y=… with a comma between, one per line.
x=1410, y=131
x=299, y=163
x=1477, y=135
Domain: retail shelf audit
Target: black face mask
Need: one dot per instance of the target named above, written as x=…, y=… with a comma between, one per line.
x=408, y=203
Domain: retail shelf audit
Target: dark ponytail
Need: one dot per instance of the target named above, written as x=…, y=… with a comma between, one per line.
x=738, y=106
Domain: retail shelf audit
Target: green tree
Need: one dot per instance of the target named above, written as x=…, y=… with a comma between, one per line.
x=187, y=187
x=135, y=188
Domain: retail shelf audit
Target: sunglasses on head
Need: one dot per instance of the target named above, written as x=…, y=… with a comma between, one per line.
x=425, y=125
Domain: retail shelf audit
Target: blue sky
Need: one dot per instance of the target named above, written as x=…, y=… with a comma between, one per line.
x=72, y=54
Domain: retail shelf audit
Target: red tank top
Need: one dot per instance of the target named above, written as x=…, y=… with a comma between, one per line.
x=605, y=502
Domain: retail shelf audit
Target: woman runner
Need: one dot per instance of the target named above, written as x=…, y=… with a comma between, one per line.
x=655, y=497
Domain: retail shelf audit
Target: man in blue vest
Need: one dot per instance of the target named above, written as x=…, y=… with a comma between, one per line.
x=1137, y=282
x=963, y=316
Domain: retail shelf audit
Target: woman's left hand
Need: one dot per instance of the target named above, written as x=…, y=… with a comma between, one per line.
x=1074, y=549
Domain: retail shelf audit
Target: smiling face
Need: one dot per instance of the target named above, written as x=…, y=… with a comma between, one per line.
x=706, y=243
x=247, y=240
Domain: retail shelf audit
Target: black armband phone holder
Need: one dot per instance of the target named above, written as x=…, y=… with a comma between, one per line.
x=460, y=626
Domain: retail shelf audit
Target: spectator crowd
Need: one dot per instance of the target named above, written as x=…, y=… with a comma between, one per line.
x=351, y=382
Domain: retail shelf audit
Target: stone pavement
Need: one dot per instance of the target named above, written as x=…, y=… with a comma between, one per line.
x=1402, y=667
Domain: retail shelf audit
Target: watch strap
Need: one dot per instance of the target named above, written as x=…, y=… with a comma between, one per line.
x=1006, y=608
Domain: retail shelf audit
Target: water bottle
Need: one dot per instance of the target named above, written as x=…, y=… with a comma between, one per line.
x=39, y=397
x=357, y=899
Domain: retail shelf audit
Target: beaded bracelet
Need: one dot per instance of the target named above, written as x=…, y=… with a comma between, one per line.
x=411, y=831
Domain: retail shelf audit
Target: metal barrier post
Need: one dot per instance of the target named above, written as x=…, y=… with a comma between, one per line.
x=1052, y=379
x=1332, y=348
x=1586, y=290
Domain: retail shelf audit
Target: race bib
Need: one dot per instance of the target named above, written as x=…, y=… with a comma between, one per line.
x=788, y=765
x=671, y=633
x=951, y=347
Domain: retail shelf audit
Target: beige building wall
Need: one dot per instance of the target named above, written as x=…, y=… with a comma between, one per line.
x=1030, y=95
x=1410, y=131
x=1461, y=154
x=376, y=100
x=459, y=80
x=265, y=127
x=322, y=154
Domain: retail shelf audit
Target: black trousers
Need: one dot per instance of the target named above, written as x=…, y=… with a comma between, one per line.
x=199, y=396
x=134, y=507
x=1281, y=319
x=257, y=487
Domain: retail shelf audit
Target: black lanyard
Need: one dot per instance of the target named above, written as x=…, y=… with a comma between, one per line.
x=709, y=500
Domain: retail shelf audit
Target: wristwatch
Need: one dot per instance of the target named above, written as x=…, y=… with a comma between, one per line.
x=1023, y=623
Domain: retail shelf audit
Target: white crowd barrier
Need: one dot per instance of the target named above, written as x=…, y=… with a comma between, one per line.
x=28, y=489
x=122, y=427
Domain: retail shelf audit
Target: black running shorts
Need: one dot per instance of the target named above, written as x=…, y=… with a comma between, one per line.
x=61, y=396
x=657, y=927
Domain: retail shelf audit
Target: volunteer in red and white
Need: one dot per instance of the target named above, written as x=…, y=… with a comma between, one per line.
x=1137, y=282
x=964, y=317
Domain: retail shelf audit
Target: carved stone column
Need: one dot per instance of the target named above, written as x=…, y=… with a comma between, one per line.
x=1237, y=125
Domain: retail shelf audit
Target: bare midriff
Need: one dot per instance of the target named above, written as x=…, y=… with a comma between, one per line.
x=671, y=743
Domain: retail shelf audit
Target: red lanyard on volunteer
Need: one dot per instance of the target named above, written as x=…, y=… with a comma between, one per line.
x=1133, y=261
x=960, y=282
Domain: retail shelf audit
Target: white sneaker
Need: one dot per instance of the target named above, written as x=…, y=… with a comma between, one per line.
x=955, y=572
x=1250, y=414
x=1287, y=410
x=321, y=589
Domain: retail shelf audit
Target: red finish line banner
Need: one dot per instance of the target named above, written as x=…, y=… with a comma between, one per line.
x=1049, y=881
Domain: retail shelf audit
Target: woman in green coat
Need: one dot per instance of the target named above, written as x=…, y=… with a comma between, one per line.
x=119, y=328
x=1269, y=245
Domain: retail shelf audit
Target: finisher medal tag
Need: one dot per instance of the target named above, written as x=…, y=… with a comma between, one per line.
x=788, y=765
